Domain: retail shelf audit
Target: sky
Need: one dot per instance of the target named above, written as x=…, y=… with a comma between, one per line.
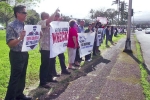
x=81, y=8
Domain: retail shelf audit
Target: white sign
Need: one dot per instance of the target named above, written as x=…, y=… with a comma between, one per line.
x=99, y=36
x=86, y=42
x=103, y=20
x=58, y=37
x=32, y=37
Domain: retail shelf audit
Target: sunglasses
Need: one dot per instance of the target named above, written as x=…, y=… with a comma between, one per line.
x=23, y=12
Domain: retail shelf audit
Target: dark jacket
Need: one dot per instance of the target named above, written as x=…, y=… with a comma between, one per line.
x=107, y=32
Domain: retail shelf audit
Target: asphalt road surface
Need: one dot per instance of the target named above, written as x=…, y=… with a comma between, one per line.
x=144, y=40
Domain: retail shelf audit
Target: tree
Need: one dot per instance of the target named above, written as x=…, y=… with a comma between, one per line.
x=110, y=14
x=123, y=11
x=6, y=12
x=117, y=2
x=66, y=18
x=33, y=17
x=92, y=11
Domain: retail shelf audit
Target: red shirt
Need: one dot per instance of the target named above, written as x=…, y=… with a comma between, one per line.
x=72, y=32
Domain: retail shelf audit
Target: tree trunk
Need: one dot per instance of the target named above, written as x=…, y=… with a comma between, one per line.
x=6, y=22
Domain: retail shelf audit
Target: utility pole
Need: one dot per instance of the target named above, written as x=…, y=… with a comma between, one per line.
x=128, y=41
x=118, y=10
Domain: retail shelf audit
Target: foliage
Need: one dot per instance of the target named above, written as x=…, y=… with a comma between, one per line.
x=6, y=12
x=110, y=14
x=123, y=12
x=33, y=17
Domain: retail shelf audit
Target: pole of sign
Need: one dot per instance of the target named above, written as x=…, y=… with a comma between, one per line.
x=128, y=41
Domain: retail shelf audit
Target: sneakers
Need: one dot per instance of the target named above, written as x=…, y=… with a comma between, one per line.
x=54, y=81
x=23, y=97
x=73, y=68
x=89, y=60
x=56, y=75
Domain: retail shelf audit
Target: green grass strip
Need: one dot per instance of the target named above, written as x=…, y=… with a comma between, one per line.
x=144, y=73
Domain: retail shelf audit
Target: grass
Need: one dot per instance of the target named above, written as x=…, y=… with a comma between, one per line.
x=144, y=73
x=33, y=65
x=115, y=39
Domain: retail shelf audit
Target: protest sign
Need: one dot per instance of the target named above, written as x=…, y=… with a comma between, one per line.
x=58, y=37
x=86, y=42
x=103, y=20
x=31, y=38
x=99, y=36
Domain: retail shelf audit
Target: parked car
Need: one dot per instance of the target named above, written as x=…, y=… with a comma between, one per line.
x=139, y=29
x=147, y=31
x=1, y=27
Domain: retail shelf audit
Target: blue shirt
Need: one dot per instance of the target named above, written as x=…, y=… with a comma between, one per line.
x=104, y=31
x=80, y=29
x=13, y=32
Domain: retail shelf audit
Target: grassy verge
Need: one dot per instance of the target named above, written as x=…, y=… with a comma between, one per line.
x=115, y=39
x=144, y=74
x=32, y=76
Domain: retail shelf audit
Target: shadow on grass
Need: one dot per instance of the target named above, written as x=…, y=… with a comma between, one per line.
x=91, y=65
x=58, y=88
x=139, y=62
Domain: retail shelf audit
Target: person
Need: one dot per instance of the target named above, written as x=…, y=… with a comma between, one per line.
x=99, y=29
x=81, y=26
x=61, y=58
x=72, y=43
x=18, y=60
x=81, y=29
x=89, y=30
x=94, y=47
x=116, y=32
x=111, y=34
x=45, y=49
x=107, y=35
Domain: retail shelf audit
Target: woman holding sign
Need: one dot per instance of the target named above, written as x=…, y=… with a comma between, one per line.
x=72, y=43
x=89, y=30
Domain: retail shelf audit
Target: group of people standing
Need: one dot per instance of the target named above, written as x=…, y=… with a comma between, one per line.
x=19, y=60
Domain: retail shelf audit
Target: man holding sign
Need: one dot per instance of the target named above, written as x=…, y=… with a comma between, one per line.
x=45, y=48
x=19, y=60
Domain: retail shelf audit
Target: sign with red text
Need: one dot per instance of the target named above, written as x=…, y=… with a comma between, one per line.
x=58, y=37
x=31, y=38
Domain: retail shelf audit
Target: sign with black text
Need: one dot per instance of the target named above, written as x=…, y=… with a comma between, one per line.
x=86, y=42
x=32, y=37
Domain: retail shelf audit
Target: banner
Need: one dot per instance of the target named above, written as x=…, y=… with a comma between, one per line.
x=32, y=37
x=86, y=42
x=58, y=37
x=99, y=36
x=103, y=20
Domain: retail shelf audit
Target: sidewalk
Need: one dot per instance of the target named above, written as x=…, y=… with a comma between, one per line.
x=116, y=77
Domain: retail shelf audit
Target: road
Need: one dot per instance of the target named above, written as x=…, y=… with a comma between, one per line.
x=144, y=40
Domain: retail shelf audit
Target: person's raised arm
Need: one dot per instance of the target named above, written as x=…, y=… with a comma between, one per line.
x=51, y=18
